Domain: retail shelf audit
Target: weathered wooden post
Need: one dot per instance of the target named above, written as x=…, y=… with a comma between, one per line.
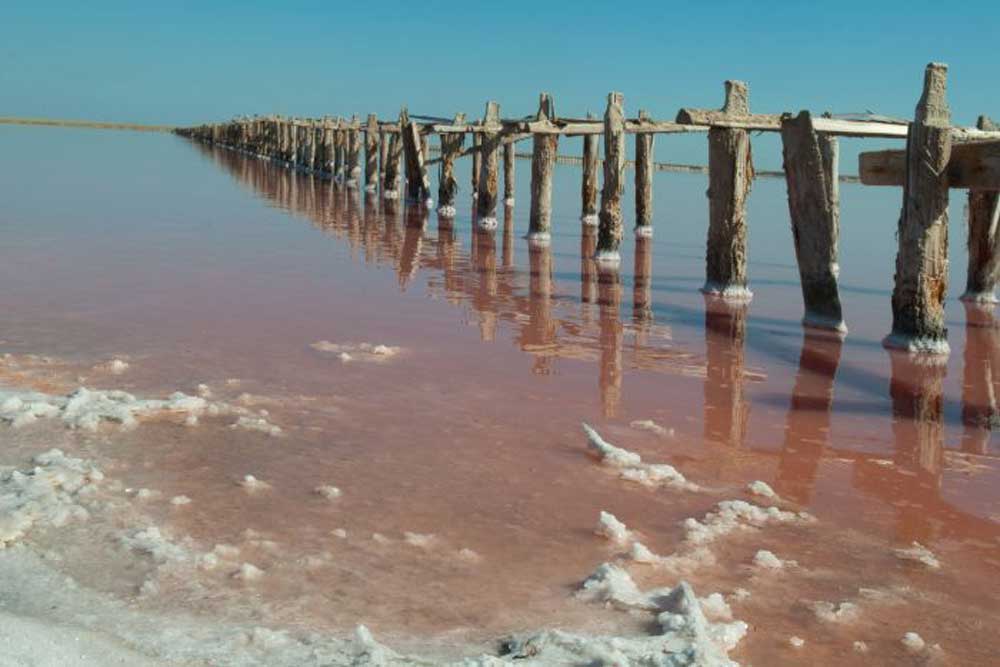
x=418, y=183
x=391, y=184
x=811, y=173
x=311, y=146
x=543, y=161
x=451, y=146
x=984, y=239
x=730, y=175
x=353, y=168
x=980, y=378
x=293, y=144
x=591, y=162
x=477, y=161
x=327, y=147
x=383, y=153
x=609, y=234
x=340, y=153
x=644, y=180
x=509, y=157
x=918, y=323
x=371, y=154
x=486, y=209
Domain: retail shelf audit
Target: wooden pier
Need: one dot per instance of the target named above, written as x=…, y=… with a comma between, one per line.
x=937, y=157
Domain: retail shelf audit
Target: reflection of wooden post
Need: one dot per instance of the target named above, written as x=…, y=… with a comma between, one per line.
x=413, y=234
x=644, y=180
x=984, y=239
x=917, y=407
x=508, y=237
x=726, y=407
x=922, y=258
x=814, y=204
x=484, y=261
x=486, y=206
x=588, y=267
x=610, y=337
x=730, y=174
x=541, y=330
x=588, y=191
x=543, y=162
x=371, y=154
x=451, y=146
x=609, y=235
x=807, y=424
x=642, y=307
x=980, y=378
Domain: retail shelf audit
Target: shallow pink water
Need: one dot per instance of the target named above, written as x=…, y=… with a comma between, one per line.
x=161, y=252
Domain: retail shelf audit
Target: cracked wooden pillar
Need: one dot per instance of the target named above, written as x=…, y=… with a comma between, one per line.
x=340, y=153
x=644, y=181
x=588, y=190
x=451, y=146
x=390, y=187
x=383, y=153
x=543, y=163
x=477, y=162
x=486, y=204
x=921, y=279
x=811, y=174
x=353, y=167
x=609, y=234
x=418, y=183
x=371, y=154
x=984, y=239
x=730, y=174
x=509, y=156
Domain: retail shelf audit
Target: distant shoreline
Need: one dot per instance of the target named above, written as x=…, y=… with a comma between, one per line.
x=91, y=124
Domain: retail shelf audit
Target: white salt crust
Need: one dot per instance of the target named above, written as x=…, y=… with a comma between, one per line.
x=327, y=491
x=632, y=467
x=829, y=612
x=652, y=427
x=733, y=293
x=487, y=223
x=644, y=231
x=762, y=489
x=932, y=347
x=590, y=220
x=614, y=530
x=347, y=352
x=447, y=211
x=918, y=553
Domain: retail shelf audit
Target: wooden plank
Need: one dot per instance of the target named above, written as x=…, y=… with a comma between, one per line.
x=921, y=281
x=972, y=165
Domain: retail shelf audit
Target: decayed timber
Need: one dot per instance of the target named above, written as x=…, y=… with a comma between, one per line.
x=451, y=146
x=339, y=153
x=644, y=181
x=383, y=154
x=353, y=166
x=509, y=157
x=588, y=193
x=477, y=162
x=814, y=204
x=609, y=233
x=921, y=279
x=487, y=187
x=730, y=174
x=542, y=166
x=418, y=184
x=973, y=165
x=390, y=183
x=371, y=154
x=984, y=239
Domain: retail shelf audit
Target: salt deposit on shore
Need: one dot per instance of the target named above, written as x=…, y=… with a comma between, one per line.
x=357, y=351
x=632, y=467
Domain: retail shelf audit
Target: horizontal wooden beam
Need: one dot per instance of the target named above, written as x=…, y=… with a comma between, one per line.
x=973, y=165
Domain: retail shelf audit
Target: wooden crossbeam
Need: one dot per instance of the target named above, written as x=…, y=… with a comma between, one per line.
x=973, y=165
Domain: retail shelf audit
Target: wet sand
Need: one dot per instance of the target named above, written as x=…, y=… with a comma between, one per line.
x=201, y=266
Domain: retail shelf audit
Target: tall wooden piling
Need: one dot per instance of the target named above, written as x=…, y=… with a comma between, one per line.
x=509, y=157
x=339, y=153
x=418, y=184
x=984, y=239
x=811, y=173
x=486, y=204
x=391, y=184
x=543, y=162
x=383, y=153
x=451, y=146
x=588, y=190
x=477, y=162
x=921, y=279
x=293, y=143
x=609, y=233
x=730, y=174
x=353, y=166
x=371, y=154
x=644, y=180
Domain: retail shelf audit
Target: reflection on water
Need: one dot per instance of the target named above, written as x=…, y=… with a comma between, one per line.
x=726, y=406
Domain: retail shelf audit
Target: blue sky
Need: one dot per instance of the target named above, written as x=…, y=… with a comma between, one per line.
x=186, y=62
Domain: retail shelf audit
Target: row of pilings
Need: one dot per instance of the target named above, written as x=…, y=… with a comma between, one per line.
x=397, y=153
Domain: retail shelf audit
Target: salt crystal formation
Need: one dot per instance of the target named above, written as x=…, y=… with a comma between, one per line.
x=631, y=466
x=652, y=427
x=610, y=527
x=918, y=553
x=51, y=493
x=357, y=351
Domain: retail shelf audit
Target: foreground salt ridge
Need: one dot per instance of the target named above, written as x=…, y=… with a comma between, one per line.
x=631, y=466
x=86, y=409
